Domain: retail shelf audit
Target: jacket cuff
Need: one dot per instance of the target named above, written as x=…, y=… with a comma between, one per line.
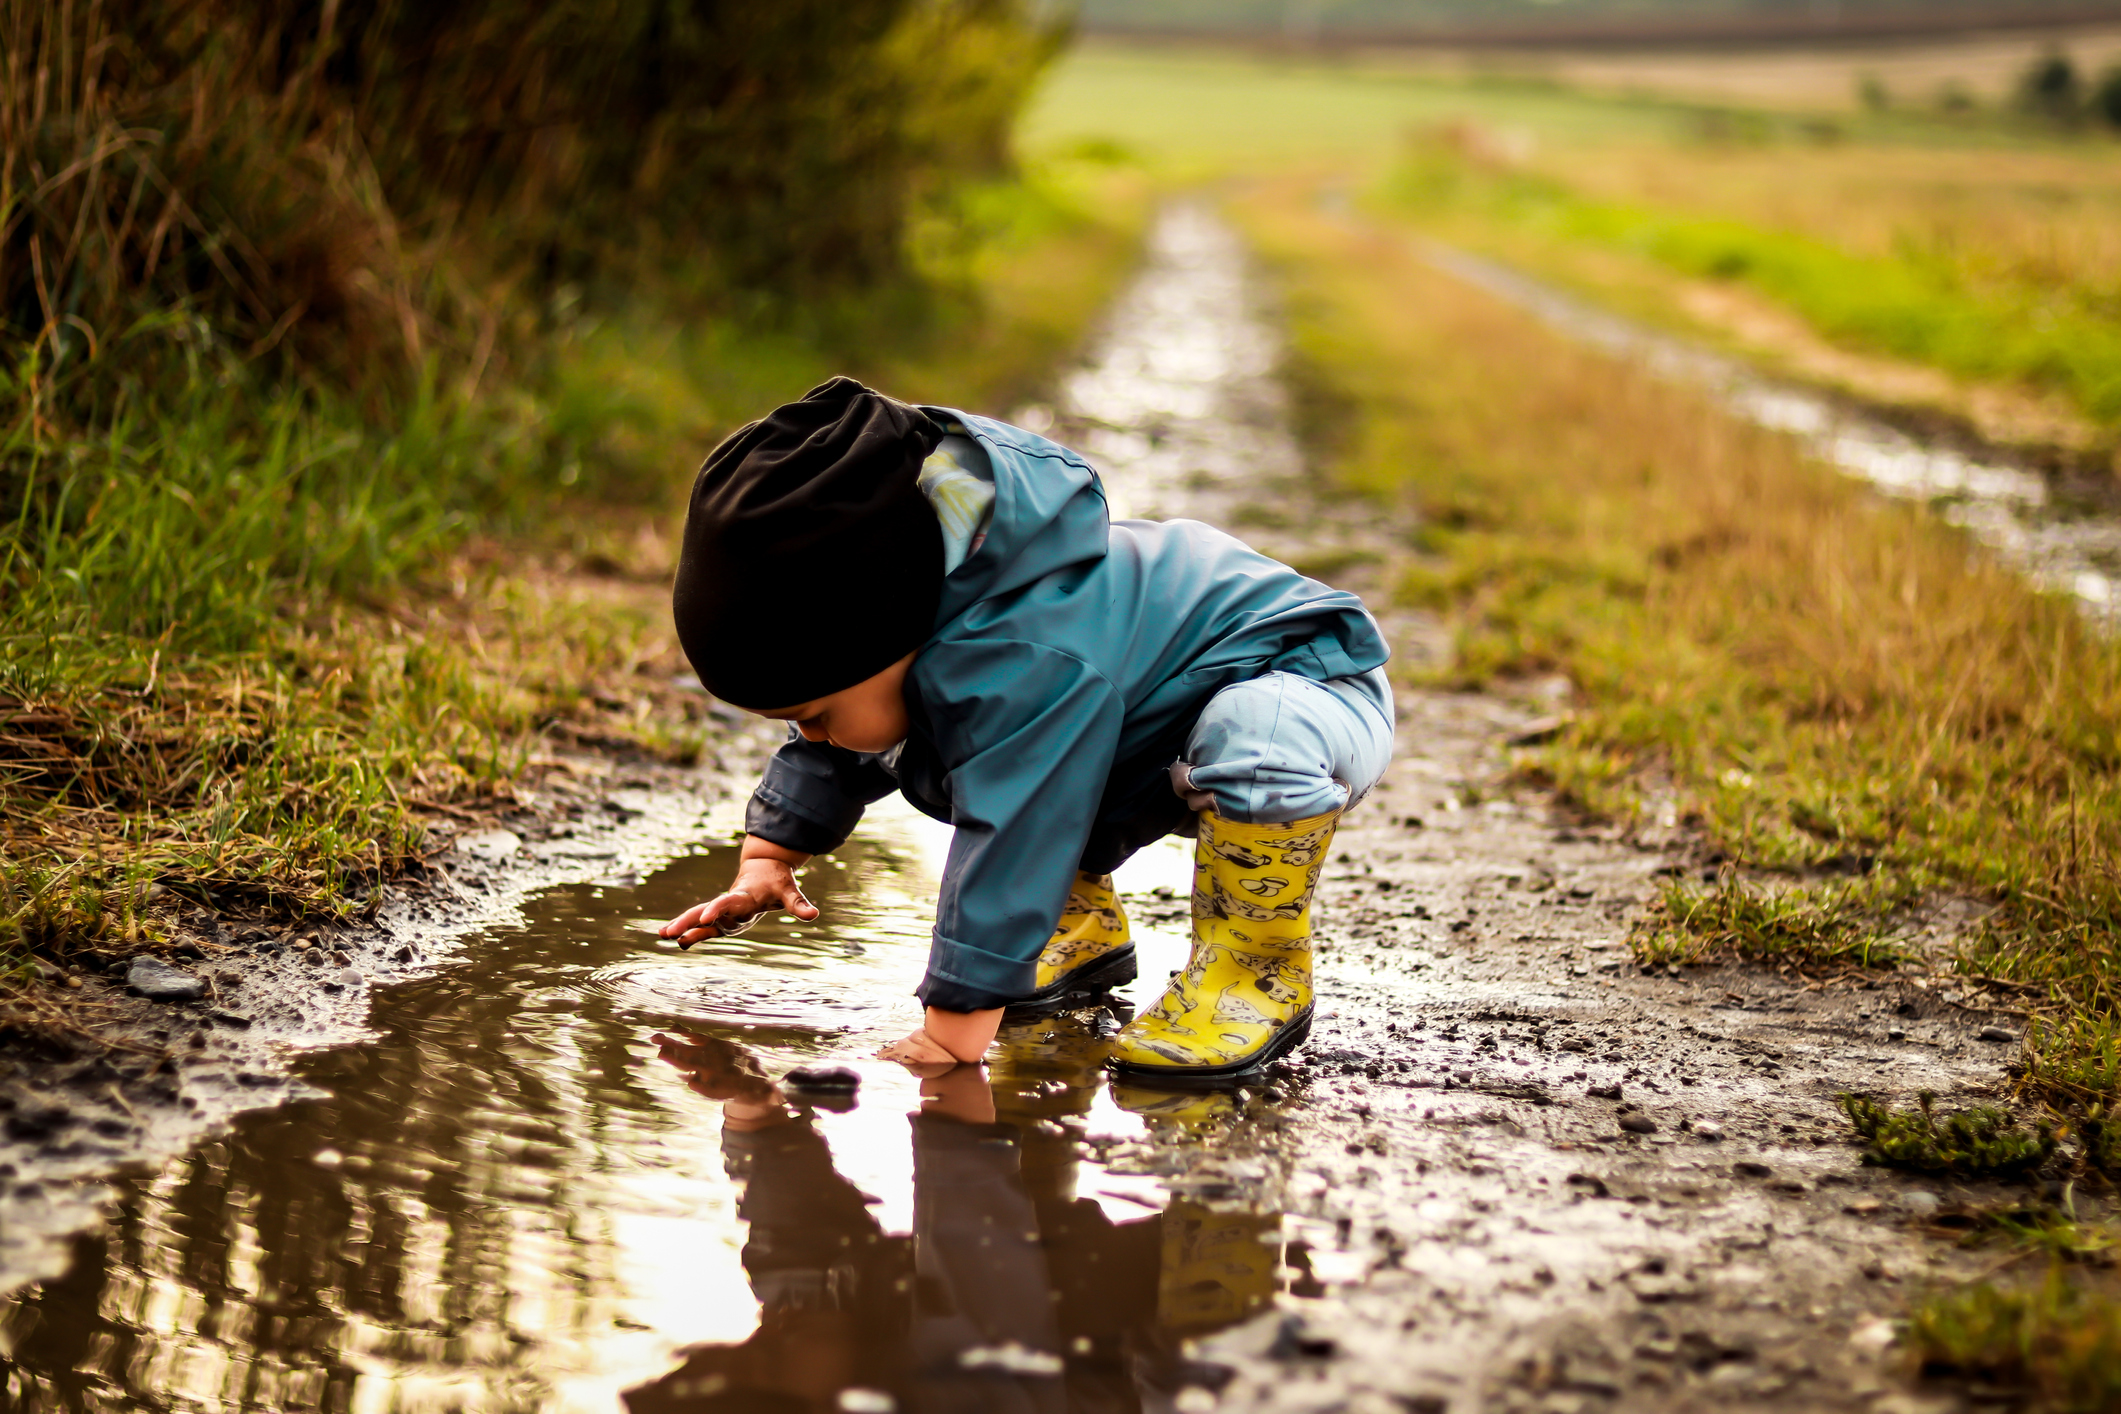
x=965, y=978
x=776, y=824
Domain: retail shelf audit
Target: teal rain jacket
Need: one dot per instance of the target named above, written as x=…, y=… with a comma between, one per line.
x=1070, y=657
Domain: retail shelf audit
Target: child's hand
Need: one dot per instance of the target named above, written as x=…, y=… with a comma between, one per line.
x=764, y=882
x=949, y=1038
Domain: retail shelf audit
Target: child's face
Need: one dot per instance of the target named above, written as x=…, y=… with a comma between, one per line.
x=870, y=716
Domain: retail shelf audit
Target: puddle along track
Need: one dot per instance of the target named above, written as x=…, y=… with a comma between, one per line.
x=1510, y=1171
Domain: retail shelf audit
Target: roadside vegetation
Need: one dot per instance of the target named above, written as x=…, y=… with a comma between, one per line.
x=353, y=376
x=1993, y=264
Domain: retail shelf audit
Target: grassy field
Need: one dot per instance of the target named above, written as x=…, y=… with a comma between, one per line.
x=1957, y=268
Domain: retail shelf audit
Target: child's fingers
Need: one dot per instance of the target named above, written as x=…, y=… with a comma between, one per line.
x=685, y=921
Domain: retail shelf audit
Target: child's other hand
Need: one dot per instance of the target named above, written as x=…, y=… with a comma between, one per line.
x=920, y=1054
x=949, y=1038
x=761, y=885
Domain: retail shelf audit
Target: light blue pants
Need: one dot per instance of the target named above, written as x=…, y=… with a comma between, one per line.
x=1283, y=747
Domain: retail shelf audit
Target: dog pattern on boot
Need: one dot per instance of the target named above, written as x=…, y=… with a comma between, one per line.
x=1248, y=981
x=1090, y=926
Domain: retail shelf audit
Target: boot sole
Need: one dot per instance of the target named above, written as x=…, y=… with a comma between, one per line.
x=1211, y=1077
x=1092, y=979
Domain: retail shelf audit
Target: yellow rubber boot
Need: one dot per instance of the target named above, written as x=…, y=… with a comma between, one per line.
x=1089, y=953
x=1245, y=998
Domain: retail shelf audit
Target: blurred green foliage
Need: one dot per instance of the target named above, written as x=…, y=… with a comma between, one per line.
x=356, y=185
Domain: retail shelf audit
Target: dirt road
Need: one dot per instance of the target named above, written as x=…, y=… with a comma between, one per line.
x=1511, y=1170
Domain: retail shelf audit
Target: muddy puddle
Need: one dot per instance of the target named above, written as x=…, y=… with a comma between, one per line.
x=558, y=1166
x=2066, y=544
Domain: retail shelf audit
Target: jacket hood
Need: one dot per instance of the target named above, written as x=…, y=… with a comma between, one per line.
x=1049, y=514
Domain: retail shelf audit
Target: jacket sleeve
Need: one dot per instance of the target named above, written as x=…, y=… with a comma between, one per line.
x=1031, y=733
x=813, y=794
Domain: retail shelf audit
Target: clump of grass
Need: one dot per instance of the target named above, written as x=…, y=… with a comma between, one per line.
x=2056, y=1344
x=2039, y=1227
x=1809, y=926
x=2102, y=1139
x=55, y=910
x=1979, y=1141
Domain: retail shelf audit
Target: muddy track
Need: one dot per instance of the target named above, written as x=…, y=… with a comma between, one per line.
x=1524, y=1172
x=1512, y=1170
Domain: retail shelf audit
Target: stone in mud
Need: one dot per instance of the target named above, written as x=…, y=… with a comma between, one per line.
x=1604, y=1092
x=156, y=980
x=349, y=976
x=31, y=1125
x=1708, y=1129
x=1638, y=1124
x=837, y=1078
x=1751, y=1168
x=1996, y=1033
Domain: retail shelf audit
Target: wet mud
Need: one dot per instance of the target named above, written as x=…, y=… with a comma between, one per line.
x=550, y=1163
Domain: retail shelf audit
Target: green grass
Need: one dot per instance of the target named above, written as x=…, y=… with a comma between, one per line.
x=1977, y=1142
x=1201, y=111
x=1815, y=926
x=1929, y=302
x=2056, y=1346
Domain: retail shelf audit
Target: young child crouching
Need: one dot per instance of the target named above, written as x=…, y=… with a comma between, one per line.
x=939, y=605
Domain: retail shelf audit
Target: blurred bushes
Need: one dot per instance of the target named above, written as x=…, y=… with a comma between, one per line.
x=289, y=289
x=354, y=187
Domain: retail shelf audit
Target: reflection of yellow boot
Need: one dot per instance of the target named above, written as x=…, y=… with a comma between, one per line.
x=1217, y=1268
x=1245, y=998
x=1089, y=953
x=1181, y=1109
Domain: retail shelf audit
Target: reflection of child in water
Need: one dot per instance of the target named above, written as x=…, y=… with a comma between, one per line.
x=1002, y=1259
x=939, y=605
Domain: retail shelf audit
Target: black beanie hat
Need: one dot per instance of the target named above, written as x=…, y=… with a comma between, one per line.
x=810, y=517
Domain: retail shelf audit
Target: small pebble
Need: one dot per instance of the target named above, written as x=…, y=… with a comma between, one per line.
x=1708, y=1129
x=829, y=1077
x=314, y=957
x=1920, y=1203
x=1638, y=1124
x=349, y=976
x=339, y=956
x=156, y=980
x=1604, y=1092
x=1751, y=1168
x=1996, y=1033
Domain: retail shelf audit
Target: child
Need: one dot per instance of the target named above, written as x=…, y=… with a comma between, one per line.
x=940, y=606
